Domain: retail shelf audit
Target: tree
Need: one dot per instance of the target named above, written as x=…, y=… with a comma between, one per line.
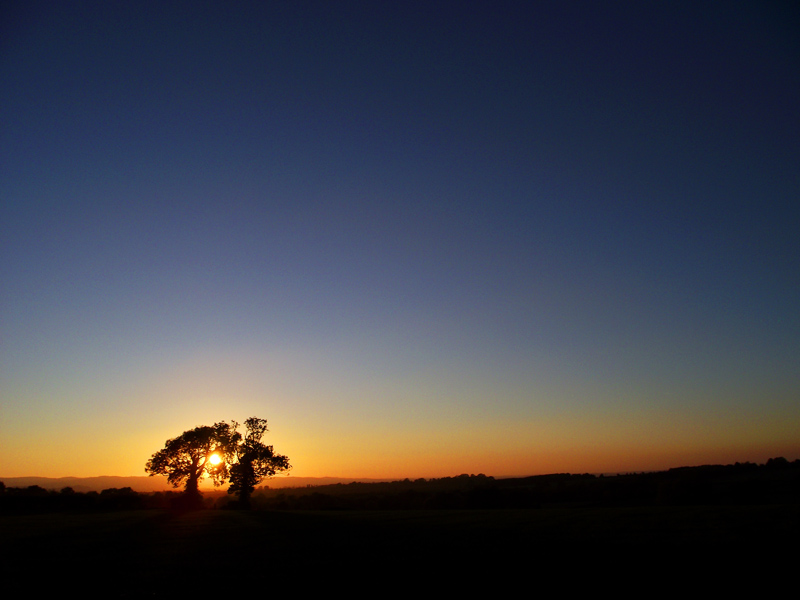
x=254, y=461
x=188, y=457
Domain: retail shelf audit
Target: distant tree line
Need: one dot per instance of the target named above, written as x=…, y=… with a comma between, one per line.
x=35, y=498
x=776, y=482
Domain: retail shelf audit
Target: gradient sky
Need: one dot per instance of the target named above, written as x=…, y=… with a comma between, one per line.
x=420, y=238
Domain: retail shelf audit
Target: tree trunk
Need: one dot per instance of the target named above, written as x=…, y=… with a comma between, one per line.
x=244, y=498
x=192, y=498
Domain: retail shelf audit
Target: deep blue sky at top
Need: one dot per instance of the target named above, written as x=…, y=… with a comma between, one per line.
x=604, y=191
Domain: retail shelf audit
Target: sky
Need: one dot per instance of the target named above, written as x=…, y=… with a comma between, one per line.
x=419, y=238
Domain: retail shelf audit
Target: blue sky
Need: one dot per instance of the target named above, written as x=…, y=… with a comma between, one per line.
x=419, y=238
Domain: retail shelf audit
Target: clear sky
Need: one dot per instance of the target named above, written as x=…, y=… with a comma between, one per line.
x=420, y=238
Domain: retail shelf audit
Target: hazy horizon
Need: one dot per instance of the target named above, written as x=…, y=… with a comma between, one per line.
x=159, y=483
x=419, y=238
x=206, y=483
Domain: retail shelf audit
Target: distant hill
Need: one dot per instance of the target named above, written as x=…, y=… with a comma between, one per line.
x=158, y=484
x=664, y=481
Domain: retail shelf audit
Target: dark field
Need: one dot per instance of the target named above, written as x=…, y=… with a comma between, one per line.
x=156, y=553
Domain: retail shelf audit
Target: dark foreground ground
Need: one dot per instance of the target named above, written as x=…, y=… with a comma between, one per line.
x=158, y=553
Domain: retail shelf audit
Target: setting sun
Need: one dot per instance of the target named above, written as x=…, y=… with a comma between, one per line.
x=214, y=459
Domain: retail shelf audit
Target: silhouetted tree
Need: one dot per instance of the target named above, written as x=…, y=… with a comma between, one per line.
x=187, y=458
x=778, y=462
x=253, y=461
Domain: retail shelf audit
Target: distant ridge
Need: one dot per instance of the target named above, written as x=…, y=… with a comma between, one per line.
x=160, y=484
x=144, y=484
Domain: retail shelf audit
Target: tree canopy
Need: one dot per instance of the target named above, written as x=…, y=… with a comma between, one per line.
x=221, y=453
x=188, y=457
x=253, y=461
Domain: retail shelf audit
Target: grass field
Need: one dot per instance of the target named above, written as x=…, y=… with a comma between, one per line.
x=153, y=553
